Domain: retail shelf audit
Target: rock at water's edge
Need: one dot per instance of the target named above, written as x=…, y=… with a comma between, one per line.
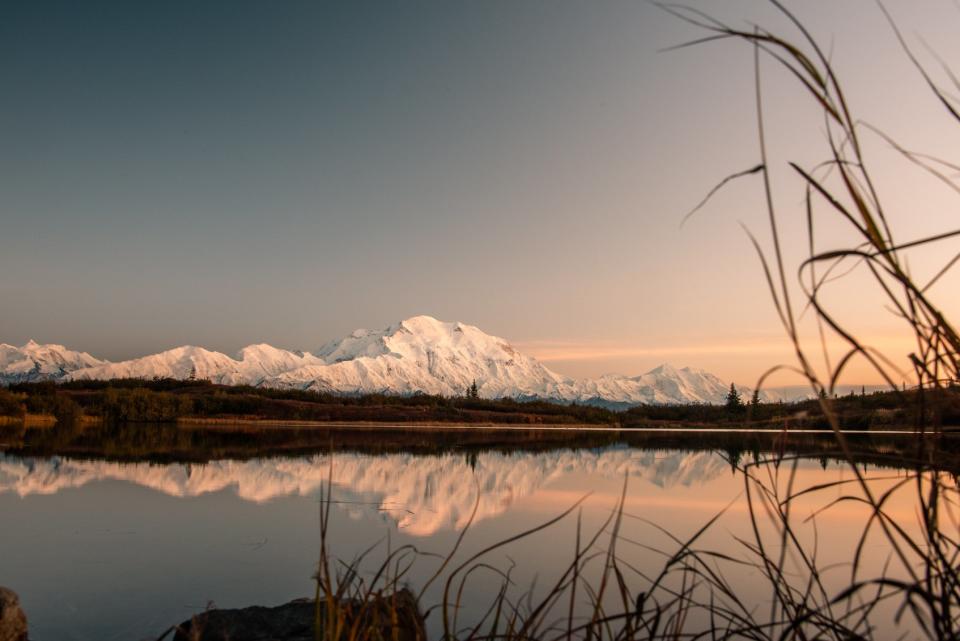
x=13, y=622
x=294, y=621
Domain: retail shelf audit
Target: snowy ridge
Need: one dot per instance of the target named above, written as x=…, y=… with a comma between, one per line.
x=416, y=355
x=34, y=362
x=254, y=365
x=421, y=494
x=663, y=384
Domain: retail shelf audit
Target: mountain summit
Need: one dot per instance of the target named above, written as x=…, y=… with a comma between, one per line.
x=423, y=354
x=417, y=355
x=34, y=362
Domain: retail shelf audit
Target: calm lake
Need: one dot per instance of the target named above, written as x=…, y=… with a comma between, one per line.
x=122, y=546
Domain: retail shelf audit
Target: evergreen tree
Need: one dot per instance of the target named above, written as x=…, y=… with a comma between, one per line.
x=473, y=392
x=734, y=403
x=755, y=399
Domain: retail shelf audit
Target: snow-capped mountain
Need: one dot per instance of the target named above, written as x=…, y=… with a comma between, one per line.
x=416, y=355
x=663, y=384
x=422, y=354
x=34, y=362
x=254, y=365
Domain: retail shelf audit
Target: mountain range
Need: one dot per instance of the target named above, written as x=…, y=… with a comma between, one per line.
x=417, y=355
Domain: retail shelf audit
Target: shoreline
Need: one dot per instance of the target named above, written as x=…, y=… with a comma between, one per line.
x=225, y=424
x=204, y=441
x=248, y=425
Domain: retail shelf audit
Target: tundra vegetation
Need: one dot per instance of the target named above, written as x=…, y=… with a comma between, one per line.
x=169, y=401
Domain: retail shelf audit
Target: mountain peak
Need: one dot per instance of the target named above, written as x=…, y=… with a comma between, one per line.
x=36, y=362
x=185, y=350
x=423, y=319
x=258, y=348
x=664, y=369
x=425, y=325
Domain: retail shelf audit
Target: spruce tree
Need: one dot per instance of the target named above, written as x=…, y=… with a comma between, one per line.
x=734, y=404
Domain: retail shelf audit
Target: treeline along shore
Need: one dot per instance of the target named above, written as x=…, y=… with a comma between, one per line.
x=172, y=442
x=198, y=403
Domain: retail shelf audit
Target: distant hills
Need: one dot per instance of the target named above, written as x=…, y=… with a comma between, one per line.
x=417, y=355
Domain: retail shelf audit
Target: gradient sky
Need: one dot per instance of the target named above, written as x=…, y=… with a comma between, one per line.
x=224, y=173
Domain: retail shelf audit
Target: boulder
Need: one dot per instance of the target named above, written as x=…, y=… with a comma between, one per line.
x=381, y=618
x=13, y=622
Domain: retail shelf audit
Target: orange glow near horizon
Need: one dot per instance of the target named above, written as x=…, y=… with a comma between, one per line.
x=742, y=361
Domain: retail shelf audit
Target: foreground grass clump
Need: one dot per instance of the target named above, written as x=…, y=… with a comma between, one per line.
x=594, y=592
x=915, y=590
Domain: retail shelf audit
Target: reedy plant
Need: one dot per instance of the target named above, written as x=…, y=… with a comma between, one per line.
x=843, y=186
x=694, y=595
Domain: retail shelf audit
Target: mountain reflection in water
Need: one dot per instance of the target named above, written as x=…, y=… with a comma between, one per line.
x=423, y=494
x=118, y=532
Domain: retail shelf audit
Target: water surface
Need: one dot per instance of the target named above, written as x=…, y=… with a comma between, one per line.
x=121, y=549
